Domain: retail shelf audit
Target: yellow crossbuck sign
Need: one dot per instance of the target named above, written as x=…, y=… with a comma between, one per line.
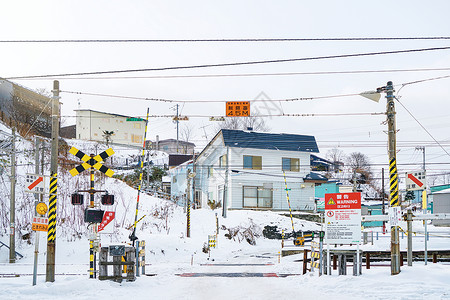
x=92, y=162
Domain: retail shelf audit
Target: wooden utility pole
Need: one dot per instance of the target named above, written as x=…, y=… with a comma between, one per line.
x=51, y=235
x=393, y=177
x=12, y=209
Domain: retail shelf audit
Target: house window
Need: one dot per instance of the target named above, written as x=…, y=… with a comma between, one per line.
x=254, y=196
x=136, y=138
x=223, y=161
x=174, y=179
x=252, y=162
x=290, y=164
x=210, y=171
x=137, y=125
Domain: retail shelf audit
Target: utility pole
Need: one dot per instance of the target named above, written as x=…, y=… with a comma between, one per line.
x=188, y=203
x=424, y=207
x=51, y=235
x=12, y=208
x=36, y=201
x=178, y=121
x=354, y=181
x=383, y=209
x=393, y=177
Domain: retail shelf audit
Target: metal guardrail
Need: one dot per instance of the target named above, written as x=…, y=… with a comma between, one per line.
x=415, y=218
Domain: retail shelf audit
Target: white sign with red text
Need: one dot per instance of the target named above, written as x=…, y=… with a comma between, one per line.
x=108, y=216
x=343, y=218
x=35, y=183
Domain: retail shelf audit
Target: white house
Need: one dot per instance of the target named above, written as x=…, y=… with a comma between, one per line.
x=246, y=169
x=179, y=182
x=92, y=125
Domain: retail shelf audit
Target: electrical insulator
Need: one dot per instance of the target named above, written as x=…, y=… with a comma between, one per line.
x=107, y=199
x=77, y=199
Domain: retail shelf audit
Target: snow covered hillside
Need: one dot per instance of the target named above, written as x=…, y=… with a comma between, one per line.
x=179, y=269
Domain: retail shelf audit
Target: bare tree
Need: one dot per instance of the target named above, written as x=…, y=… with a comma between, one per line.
x=44, y=92
x=243, y=123
x=187, y=132
x=337, y=157
x=360, y=163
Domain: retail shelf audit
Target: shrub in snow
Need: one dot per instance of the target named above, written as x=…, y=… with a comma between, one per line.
x=249, y=233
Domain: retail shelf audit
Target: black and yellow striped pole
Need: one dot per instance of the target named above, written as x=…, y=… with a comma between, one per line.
x=133, y=234
x=188, y=204
x=289, y=204
x=393, y=177
x=93, y=237
x=51, y=233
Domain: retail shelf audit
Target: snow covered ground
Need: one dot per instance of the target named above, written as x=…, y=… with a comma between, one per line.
x=169, y=252
x=172, y=253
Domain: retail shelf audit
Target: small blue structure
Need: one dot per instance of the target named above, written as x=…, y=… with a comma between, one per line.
x=372, y=210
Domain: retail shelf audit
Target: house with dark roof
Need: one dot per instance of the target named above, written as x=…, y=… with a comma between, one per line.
x=250, y=170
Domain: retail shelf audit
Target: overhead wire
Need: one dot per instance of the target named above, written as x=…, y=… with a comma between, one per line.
x=227, y=40
x=423, y=127
x=215, y=65
x=251, y=74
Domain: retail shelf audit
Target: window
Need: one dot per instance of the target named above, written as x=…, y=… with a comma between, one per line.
x=223, y=161
x=136, y=138
x=290, y=164
x=174, y=179
x=252, y=162
x=254, y=196
x=210, y=171
x=137, y=125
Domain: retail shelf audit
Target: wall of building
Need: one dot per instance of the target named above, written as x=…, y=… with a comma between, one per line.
x=90, y=125
x=441, y=205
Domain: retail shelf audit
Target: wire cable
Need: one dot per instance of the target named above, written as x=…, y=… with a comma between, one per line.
x=423, y=127
x=250, y=74
x=229, y=40
x=235, y=63
x=206, y=101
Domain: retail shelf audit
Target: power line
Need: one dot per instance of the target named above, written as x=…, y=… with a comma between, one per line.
x=249, y=100
x=207, y=101
x=252, y=74
x=262, y=116
x=420, y=124
x=229, y=40
x=234, y=63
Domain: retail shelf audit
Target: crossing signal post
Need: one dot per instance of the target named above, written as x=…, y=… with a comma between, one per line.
x=92, y=215
x=51, y=235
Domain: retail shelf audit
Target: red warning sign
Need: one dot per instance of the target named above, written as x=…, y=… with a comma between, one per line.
x=343, y=201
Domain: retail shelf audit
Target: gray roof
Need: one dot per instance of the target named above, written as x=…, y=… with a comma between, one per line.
x=272, y=141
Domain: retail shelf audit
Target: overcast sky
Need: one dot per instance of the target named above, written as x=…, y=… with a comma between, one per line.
x=427, y=101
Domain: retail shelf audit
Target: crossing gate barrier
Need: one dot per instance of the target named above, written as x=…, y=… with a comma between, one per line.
x=117, y=252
